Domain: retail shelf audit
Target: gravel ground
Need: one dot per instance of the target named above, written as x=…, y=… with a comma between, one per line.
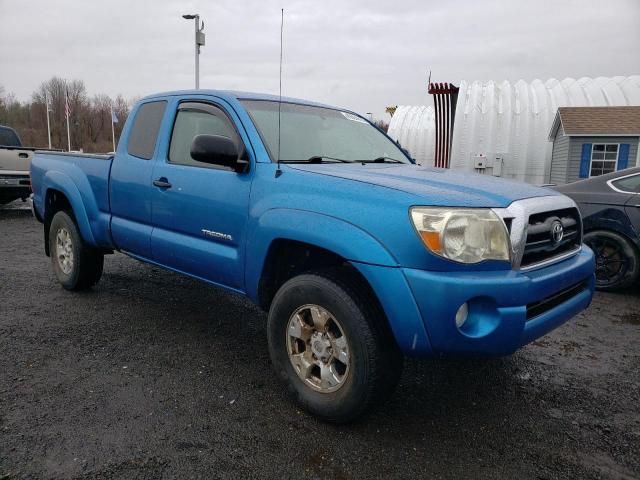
x=153, y=375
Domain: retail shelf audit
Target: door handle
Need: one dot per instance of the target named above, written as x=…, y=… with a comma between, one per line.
x=162, y=183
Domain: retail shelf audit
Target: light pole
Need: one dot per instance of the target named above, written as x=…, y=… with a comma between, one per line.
x=199, y=41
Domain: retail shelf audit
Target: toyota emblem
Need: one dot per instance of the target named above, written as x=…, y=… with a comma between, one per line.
x=557, y=231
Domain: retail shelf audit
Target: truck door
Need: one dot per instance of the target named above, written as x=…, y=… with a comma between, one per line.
x=130, y=180
x=200, y=210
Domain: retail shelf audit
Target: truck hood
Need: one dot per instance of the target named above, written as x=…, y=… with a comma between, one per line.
x=439, y=186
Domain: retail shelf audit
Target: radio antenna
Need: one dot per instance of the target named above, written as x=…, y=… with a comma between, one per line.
x=278, y=171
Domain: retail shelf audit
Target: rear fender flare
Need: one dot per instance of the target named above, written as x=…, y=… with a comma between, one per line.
x=54, y=180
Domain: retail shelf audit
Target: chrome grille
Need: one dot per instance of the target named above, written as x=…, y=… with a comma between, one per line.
x=541, y=245
x=527, y=221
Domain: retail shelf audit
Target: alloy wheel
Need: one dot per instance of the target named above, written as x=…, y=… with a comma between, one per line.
x=64, y=250
x=318, y=348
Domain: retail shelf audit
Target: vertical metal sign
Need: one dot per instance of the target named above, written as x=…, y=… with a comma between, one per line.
x=445, y=96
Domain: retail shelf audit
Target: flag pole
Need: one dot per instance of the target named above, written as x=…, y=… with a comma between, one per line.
x=113, y=131
x=47, y=105
x=66, y=110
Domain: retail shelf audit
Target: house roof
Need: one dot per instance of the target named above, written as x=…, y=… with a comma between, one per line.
x=597, y=121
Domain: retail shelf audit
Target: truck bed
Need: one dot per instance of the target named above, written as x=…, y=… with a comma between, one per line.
x=87, y=176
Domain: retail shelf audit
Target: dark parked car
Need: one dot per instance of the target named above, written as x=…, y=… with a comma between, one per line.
x=610, y=206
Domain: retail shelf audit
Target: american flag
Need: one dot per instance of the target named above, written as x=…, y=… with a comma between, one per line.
x=67, y=107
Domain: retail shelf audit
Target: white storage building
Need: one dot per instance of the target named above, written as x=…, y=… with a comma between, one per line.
x=502, y=128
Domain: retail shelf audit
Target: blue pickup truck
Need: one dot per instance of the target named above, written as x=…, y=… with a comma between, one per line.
x=357, y=254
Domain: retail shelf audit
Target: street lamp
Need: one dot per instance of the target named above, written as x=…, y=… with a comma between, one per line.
x=199, y=42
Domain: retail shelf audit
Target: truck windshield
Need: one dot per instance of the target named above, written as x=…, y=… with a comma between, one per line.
x=8, y=138
x=320, y=134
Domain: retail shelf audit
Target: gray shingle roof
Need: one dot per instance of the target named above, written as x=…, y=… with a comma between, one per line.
x=597, y=121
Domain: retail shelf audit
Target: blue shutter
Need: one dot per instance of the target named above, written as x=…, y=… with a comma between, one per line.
x=623, y=156
x=585, y=160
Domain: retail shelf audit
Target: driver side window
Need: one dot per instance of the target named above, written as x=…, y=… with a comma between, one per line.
x=197, y=120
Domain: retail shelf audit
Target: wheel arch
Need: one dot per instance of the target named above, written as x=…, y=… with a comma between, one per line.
x=611, y=219
x=280, y=234
x=633, y=239
x=62, y=194
x=629, y=277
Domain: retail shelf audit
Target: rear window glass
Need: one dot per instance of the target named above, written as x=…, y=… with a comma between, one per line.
x=628, y=184
x=144, y=133
x=8, y=138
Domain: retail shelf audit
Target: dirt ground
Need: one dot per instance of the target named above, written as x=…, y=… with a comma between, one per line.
x=152, y=375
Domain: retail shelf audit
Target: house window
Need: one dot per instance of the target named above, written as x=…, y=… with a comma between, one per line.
x=604, y=158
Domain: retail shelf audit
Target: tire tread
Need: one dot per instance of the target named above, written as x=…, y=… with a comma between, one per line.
x=89, y=261
x=384, y=365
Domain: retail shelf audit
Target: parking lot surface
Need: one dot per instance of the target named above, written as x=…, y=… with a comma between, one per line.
x=154, y=375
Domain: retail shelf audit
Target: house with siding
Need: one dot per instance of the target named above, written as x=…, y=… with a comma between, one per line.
x=591, y=141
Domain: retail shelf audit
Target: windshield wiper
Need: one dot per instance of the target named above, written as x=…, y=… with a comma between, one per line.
x=318, y=159
x=322, y=158
x=383, y=160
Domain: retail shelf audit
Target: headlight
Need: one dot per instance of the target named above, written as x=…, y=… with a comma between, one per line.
x=465, y=235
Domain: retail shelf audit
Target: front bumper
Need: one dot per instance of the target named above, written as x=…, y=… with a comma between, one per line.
x=506, y=309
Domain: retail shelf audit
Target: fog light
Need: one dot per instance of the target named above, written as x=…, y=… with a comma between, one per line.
x=462, y=314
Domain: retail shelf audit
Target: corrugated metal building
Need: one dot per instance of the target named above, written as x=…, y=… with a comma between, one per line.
x=502, y=128
x=414, y=128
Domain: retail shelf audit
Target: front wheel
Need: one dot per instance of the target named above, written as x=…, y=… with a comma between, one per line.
x=76, y=265
x=329, y=343
x=617, y=261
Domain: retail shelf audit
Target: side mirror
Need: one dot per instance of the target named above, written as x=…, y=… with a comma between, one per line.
x=217, y=150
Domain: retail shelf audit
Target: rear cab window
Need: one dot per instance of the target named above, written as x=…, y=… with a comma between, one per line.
x=9, y=138
x=144, y=133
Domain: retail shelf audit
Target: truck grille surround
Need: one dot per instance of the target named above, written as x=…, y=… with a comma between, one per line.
x=543, y=230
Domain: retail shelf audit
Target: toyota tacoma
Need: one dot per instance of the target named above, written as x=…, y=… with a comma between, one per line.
x=359, y=255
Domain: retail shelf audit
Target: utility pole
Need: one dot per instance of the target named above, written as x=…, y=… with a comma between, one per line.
x=47, y=101
x=199, y=41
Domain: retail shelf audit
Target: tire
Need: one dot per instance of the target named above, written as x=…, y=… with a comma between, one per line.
x=617, y=260
x=373, y=362
x=76, y=265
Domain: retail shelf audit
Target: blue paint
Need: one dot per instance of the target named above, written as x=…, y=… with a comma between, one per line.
x=359, y=212
x=585, y=160
x=623, y=156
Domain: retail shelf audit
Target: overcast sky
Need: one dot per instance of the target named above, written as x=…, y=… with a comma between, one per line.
x=362, y=55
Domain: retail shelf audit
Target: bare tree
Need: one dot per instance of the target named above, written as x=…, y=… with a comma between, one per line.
x=89, y=121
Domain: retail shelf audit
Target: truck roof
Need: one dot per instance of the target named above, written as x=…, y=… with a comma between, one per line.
x=238, y=95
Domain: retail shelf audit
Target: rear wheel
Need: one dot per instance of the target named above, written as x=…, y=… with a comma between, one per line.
x=617, y=260
x=76, y=265
x=328, y=342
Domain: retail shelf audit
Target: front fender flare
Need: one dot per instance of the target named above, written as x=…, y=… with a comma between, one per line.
x=338, y=236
